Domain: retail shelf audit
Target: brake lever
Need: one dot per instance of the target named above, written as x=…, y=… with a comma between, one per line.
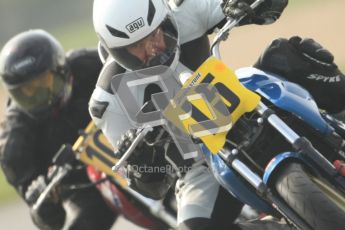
x=223, y=33
x=62, y=160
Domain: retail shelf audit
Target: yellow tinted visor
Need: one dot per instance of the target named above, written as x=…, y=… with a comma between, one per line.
x=45, y=80
x=40, y=92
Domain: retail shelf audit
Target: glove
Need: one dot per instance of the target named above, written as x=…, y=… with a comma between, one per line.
x=266, y=13
x=137, y=156
x=307, y=63
x=148, y=171
x=35, y=189
x=51, y=214
x=313, y=51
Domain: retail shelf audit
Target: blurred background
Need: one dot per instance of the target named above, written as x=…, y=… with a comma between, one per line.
x=71, y=22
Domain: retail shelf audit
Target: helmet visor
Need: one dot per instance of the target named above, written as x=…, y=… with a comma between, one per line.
x=158, y=48
x=39, y=93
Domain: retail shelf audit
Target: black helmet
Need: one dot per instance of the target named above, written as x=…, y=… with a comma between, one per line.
x=34, y=70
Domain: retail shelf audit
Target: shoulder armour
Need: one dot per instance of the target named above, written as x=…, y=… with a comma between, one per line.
x=84, y=64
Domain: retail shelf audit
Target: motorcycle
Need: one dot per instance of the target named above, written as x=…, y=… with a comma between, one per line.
x=92, y=149
x=272, y=148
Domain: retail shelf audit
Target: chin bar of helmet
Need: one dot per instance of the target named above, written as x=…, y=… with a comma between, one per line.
x=222, y=34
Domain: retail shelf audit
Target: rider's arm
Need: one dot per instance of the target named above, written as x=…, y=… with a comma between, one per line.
x=105, y=109
x=17, y=140
x=306, y=62
x=21, y=163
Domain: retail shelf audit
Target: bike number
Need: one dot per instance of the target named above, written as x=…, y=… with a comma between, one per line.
x=237, y=99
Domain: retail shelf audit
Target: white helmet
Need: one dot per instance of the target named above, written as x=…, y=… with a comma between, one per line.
x=125, y=25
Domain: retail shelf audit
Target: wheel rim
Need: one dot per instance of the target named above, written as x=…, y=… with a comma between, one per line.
x=336, y=197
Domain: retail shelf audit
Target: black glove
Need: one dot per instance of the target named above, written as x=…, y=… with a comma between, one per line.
x=125, y=142
x=313, y=51
x=148, y=171
x=266, y=13
x=306, y=62
x=138, y=155
x=35, y=189
x=51, y=214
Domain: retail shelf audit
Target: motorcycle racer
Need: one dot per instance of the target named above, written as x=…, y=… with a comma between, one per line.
x=49, y=92
x=141, y=34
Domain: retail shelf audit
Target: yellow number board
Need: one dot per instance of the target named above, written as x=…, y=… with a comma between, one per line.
x=94, y=149
x=237, y=99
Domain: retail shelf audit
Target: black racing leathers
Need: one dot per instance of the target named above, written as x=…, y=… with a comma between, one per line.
x=27, y=146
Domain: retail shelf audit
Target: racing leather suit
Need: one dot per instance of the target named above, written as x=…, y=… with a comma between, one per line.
x=27, y=146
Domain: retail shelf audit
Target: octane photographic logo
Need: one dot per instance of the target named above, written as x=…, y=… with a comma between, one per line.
x=173, y=106
x=166, y=169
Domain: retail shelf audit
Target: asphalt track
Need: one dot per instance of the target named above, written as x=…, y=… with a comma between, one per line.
x=15, y=216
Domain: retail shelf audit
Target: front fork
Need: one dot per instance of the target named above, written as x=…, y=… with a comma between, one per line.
x=302, y=146
x=305, y=153
x=262, y=199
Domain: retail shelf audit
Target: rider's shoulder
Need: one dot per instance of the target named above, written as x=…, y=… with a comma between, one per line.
x=109, y=70
x=84, y=63
x=79, y=55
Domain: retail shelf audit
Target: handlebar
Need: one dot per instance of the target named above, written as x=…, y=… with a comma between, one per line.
x=222, y=33
x=62, y=160
x=60, y=173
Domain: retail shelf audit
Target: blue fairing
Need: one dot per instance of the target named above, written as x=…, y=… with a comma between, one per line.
x=285, y=95
x=231, y=182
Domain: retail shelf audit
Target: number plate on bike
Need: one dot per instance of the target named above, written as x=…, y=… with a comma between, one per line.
x=94, y=149
x=210, y=103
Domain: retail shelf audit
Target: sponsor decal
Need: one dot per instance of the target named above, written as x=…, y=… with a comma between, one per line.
x=21, y=64
x=136, y=25
x=318, y=77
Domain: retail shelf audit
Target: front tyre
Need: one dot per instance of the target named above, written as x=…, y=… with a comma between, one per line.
x=315, y=200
